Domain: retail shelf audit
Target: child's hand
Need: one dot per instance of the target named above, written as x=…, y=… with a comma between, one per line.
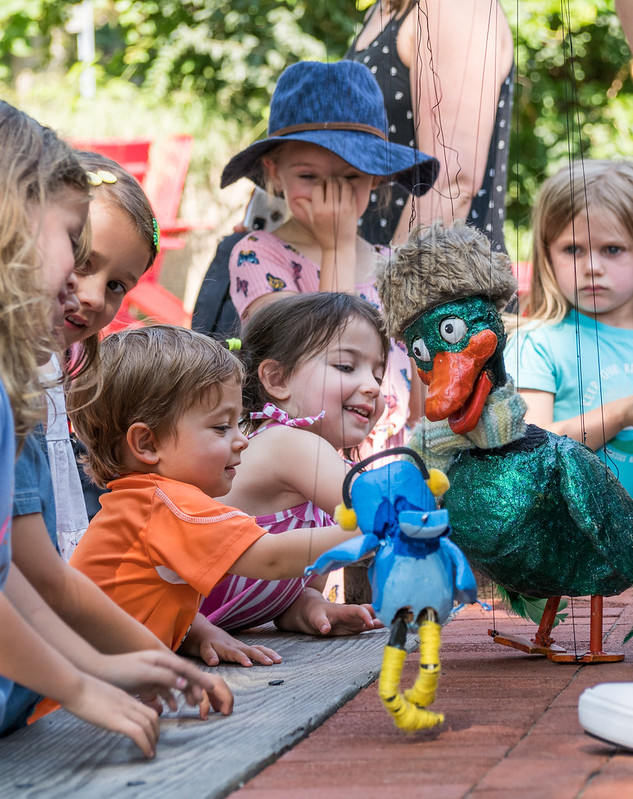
x=332, y=214
x=221, y=646
x=153, y=673
x=106, y=706
x=311, y=613
x=213, y=645
x=348, y=619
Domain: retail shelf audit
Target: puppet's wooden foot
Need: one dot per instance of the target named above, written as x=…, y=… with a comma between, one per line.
x=408, y=710
x=595, y=653
x=542, y=643
x=524, y=644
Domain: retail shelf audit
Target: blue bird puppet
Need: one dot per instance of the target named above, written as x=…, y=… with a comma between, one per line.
x=538, y=513
x=415, y=574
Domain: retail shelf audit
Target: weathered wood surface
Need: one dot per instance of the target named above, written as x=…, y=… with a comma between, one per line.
x=62, y=756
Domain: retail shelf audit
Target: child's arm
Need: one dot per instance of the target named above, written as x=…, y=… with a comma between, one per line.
x=593, y=428
x=26, y=657
x=212, y=645
x=72, y=595
x=145, y=673
x=96, y=619
x=274, y=557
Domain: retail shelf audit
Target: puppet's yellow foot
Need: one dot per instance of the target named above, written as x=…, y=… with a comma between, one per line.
x=408, y=711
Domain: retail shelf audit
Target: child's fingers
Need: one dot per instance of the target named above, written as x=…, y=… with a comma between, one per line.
x=221, y=697
x=377, y=625
x=208, y=654
x=143, y=728
x=151, y=699
x=264, y=655
x=319, y=620
x=216, y=694
x=205, y=706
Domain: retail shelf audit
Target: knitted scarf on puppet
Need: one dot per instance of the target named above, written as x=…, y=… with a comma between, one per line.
x=501, y=422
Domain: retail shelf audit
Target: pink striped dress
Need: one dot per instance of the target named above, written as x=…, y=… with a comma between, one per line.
x=239, y=602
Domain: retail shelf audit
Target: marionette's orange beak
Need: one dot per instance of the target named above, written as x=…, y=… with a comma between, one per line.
x=458, y=388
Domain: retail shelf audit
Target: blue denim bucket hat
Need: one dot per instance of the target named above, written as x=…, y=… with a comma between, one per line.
x=340, y=107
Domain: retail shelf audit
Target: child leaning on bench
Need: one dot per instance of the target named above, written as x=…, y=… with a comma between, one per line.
x=163, y=434
x=44, y=200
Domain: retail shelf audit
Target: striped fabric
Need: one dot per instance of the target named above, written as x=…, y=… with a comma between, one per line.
x=239, y=602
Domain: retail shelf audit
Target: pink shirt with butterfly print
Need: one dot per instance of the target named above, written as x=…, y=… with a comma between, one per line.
x=262, y=263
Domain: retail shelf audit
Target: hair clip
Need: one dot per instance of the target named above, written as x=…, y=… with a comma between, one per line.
x=234, y=344
x=99, y=177
x=156, y=236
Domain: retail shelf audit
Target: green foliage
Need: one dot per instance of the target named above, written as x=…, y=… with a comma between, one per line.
x=573, y=92
x=228, y=54
x=212, y=65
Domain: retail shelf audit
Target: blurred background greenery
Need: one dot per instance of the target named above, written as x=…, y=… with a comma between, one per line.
x=208, y=68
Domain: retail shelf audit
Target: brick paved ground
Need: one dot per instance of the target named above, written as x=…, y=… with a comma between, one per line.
x=511, y=726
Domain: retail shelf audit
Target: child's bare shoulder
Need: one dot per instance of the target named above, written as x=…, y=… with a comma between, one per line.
x=291, y=441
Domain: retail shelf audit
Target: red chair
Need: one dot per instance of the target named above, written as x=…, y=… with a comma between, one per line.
x=132, y=154
x=164, y=184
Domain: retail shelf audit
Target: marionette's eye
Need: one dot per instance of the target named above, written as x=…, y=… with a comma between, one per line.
x=420, y=350
x=452, y=329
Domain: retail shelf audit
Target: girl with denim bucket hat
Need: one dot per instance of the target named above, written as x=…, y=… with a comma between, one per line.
x=327, y=149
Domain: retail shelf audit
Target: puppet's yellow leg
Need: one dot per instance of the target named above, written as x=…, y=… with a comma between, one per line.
x=423, y=692
x=408, y=711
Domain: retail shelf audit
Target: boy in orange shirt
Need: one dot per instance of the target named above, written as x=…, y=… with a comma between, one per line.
x=163, y=434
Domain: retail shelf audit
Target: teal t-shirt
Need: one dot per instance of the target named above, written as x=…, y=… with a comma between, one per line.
x=584, y=364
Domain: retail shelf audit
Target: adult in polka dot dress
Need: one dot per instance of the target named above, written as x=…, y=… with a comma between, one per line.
x=446, y=71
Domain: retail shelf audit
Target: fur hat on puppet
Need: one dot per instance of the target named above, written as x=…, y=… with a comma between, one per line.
x=439, y=264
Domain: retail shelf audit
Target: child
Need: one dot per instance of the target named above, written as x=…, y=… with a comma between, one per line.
x=326, y=152
x=44, y=201
x=124, y=244
x=314, y=365
x=163, y=434
x=572, y=357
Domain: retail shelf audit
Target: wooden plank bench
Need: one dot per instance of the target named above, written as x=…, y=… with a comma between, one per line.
x=275, y=707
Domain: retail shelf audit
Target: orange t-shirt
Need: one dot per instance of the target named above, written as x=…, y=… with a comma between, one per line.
x=157, y=546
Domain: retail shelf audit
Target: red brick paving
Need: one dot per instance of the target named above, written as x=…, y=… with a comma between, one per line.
x=511, y=726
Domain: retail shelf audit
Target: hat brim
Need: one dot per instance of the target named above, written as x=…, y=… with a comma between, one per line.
x=414, y=170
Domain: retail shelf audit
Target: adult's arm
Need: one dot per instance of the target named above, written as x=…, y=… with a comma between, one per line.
x=459, y=53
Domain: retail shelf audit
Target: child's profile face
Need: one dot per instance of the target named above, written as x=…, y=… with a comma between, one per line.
x=59, y=229
x=117, y=260
x=593, y=266
x=344, y=380
x=208, y=443
x=300, y=169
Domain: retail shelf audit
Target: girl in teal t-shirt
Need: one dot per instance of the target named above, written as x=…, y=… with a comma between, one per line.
x=572, y=353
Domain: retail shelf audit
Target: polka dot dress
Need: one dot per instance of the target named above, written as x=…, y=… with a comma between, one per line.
x=487, y=211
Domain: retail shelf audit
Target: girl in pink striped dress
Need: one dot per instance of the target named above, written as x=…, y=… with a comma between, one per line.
x=314, y=364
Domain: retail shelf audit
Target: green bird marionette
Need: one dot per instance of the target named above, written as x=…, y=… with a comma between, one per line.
x=538, y=513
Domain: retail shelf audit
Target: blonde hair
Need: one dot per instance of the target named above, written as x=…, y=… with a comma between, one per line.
x=35, y=167
x=583, y=187
x=151, y=374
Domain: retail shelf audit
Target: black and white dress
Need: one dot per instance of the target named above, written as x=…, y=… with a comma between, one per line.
x=487, y=211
